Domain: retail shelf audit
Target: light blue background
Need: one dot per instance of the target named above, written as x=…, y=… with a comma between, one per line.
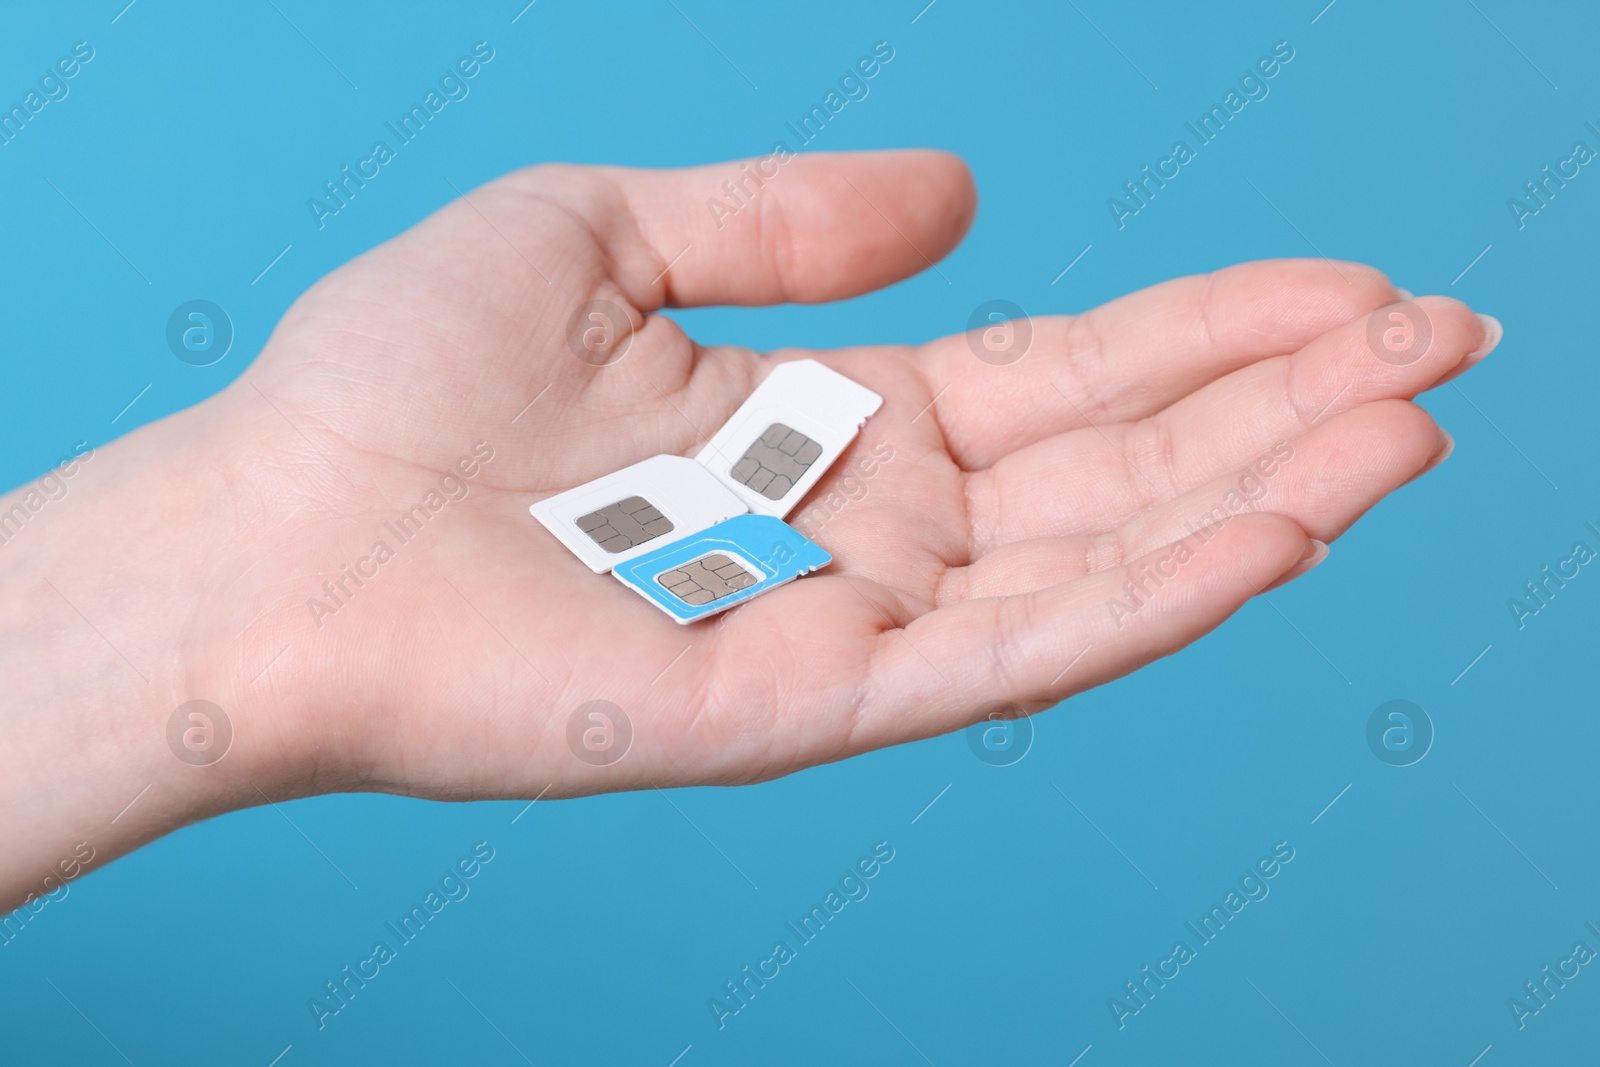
x=1007, y=919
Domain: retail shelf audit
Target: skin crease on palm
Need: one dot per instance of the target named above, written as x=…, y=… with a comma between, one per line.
x=977, y=568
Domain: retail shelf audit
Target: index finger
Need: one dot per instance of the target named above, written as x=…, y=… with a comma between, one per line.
x=1135, y=355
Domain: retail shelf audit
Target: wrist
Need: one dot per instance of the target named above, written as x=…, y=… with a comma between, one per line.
x=109, y=624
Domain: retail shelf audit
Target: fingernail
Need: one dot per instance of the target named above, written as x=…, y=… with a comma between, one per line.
x=1316, y=552
x=1443, y=453
x=1492, y=332
x=1405, y=294
x=1439, y=457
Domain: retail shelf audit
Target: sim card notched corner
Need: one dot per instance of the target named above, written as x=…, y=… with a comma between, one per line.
x=722, y=567
x=635, y=510
x=787, y=434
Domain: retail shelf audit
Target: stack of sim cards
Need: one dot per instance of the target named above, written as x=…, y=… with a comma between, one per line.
x=699, y=536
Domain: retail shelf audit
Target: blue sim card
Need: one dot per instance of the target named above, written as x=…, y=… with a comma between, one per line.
x=721, y=567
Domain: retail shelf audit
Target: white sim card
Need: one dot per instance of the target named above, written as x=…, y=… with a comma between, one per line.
x=637, y=510
x=787, y=434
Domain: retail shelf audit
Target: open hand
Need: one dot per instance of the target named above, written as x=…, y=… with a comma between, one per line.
x=1011, y=533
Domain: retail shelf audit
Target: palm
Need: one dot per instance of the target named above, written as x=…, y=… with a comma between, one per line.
x=975, y=567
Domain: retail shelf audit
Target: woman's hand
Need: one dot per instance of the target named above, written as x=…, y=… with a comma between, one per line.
x=1028, y=529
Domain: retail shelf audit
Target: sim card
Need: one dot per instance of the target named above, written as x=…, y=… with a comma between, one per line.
x=787, y=434
x=720, y=568
x=636, y=510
